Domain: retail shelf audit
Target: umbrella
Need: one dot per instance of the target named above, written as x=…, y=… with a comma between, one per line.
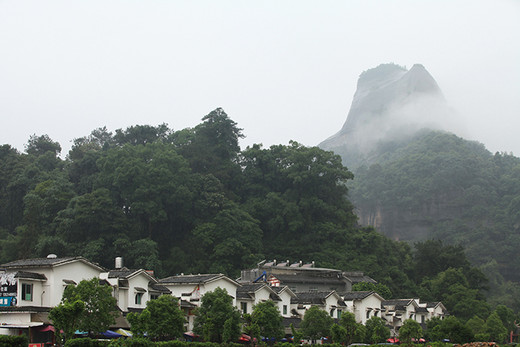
x=124, y=332
x=111, y=334
x=244, y=338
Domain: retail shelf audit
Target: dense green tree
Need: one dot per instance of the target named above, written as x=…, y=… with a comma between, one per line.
x=212, y=147
x=316, y=323
x=495, y=328
x=377, y=332
x=453, y=329
x=229, y=241
x=39, y=145
x=65, y=317
x=100, y=306
x=149, y=184
x=162, y=319
x=268, y=319
x=477, y=326
x=217, y=320
x=142, y=134
x=507, y=317
x=354, y=332
x=338, y=334
x=409, y=331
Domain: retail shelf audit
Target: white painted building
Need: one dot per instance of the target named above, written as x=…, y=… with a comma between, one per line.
x=191, y=288
x=31, y=287
x=364, y=305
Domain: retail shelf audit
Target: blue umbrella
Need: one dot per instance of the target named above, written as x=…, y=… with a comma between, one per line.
x=111, y=334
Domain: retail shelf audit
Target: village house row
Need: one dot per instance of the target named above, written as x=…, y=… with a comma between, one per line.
x=31, y=287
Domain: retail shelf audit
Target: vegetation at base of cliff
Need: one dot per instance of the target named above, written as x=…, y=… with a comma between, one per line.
x=192, y=201
x=440, y=186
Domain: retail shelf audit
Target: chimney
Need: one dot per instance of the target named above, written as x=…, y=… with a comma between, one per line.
x=119, y=262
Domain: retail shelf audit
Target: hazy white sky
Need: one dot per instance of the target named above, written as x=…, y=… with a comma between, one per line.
x=281, y=69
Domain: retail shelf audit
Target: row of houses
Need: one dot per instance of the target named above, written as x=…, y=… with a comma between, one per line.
x=29, y=288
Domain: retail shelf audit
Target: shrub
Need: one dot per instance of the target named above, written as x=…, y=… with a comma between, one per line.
x=86, y=342
x=13, y=341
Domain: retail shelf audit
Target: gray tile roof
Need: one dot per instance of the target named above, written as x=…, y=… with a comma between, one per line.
x=45, y=262
x=250, y=288
x=158, y=288
x=38, y=262
x=122, y=273
x=316, y=298
x=397, y=302
x=190, y=279
x=30, y=275
x=356, y=295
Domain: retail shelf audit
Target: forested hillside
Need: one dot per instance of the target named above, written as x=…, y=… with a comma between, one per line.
x=440, y=186
x=193, y=201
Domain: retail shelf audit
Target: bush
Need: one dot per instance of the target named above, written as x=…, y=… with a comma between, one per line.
x=13, y=341
x=133, y=342
x=86, y=342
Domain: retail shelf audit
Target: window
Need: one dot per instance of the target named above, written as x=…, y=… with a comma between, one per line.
x=243, y=306
x=27, y=290
x=422, y=319
x=138, y=298
x=154, y=296
x=368, y=314
x=339, y=314
x=332, y=312
x=284, y=309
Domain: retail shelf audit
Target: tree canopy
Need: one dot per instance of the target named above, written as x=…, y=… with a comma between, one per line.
x=217, y=320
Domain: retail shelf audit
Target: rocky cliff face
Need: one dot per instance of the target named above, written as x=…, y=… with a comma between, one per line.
x=391, y=106
x=391, y=103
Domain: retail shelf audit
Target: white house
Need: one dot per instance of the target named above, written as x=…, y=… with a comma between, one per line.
x=363, y=304
x=133, y=288
x=285, y=294
x=329, y=301
x=29, y=288
x=191, y=288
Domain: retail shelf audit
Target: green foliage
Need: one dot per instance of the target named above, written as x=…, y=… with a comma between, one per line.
x=268, y=319
x=495, y=328
x=100, y=306
x=217, y=320
x=437, y=185
x=353, y=331
x=162, y=319
x=316, y=323
x=86, y=342
x=453, y=329
x=137, y=342
x=13, y=341
x=410, y=330
x=66, y=317
x=376, y=331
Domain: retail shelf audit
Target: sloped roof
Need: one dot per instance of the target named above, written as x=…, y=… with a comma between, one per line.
x=46, y=262
x=356, y=295
x=313, y=298
x=122, y=273
x=158, y=288
x=250, y=287
x=194, y=279
x=30, y=275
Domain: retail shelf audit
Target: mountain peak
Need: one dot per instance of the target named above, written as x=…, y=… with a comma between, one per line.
x=390, y=102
